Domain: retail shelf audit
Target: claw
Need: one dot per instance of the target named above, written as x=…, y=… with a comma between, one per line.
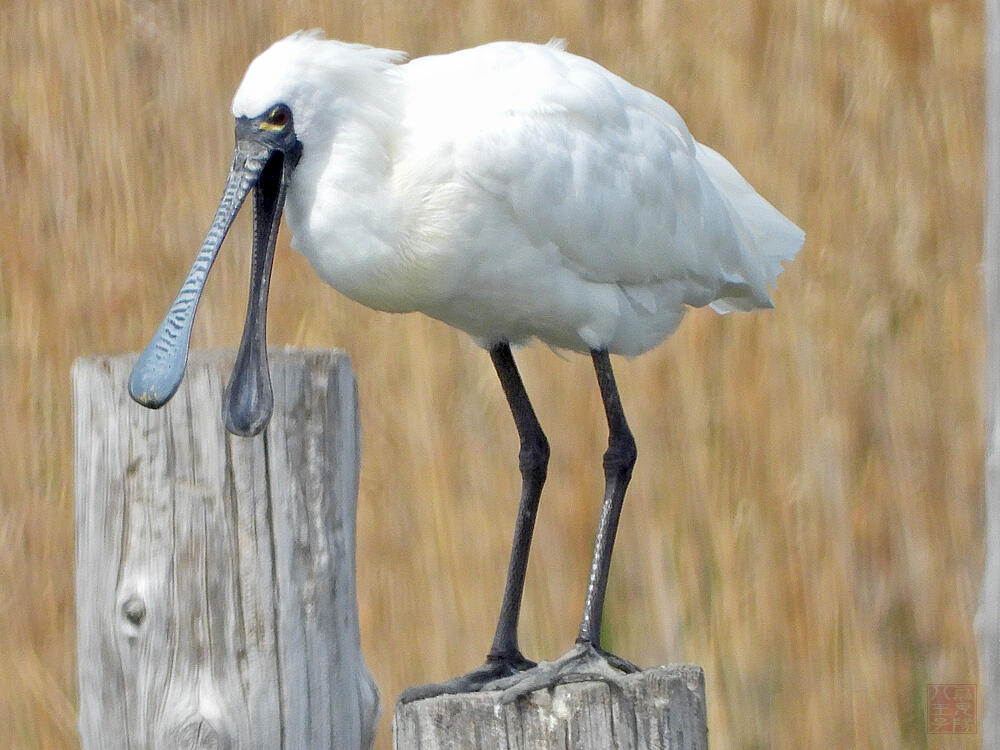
x=516, y=676
x=496, y=670
x=583, y=663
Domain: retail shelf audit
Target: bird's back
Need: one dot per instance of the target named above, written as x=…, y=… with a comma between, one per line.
x=517, y=191
x=569, y=164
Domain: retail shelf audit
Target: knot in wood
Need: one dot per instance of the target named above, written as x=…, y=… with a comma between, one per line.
x=134, y=609
x=199, y=733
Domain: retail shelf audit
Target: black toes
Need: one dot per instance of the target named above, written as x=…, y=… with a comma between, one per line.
x=497, y=667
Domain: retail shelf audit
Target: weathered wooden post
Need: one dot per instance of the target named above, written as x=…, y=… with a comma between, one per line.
x=988, y=617
x=216, y=601
x=657, y=709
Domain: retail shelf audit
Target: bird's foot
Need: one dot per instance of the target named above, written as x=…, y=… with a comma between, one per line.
x=496, y=669
x=585, y=662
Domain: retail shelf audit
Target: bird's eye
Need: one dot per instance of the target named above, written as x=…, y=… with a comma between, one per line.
x=276, y=119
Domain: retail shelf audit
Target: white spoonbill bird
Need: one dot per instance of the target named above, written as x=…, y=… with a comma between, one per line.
x=514, y=191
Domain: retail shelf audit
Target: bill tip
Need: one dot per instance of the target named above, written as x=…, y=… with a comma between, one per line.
x=147, y=393
x=246, y=424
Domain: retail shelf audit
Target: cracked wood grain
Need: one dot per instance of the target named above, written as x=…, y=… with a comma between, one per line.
x=216, y=600
x=656, y=709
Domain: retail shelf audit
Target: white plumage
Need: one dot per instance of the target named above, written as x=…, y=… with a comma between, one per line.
x=514, y=191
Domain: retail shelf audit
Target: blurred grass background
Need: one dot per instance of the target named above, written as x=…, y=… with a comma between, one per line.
x=805, y=518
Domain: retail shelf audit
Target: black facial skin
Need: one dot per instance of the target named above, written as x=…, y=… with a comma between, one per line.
x=274, y=129
x=267, y=151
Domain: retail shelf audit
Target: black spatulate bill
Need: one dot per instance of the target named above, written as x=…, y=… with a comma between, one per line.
x=264, y=159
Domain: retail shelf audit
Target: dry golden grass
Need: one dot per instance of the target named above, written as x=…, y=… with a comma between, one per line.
x=805, y=518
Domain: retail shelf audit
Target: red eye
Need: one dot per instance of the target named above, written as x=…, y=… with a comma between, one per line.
x=277, y=118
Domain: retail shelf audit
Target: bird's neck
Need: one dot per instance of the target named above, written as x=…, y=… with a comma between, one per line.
x=341, y=207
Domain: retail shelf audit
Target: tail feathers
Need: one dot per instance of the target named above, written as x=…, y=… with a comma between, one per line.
x=770, y=238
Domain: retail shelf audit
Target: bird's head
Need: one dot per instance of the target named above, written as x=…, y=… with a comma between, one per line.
x=291, y=96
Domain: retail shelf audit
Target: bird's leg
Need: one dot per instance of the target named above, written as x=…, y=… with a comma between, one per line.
x=533, y=460
x=619, y=459
x=587, y=661
x=505, y=658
